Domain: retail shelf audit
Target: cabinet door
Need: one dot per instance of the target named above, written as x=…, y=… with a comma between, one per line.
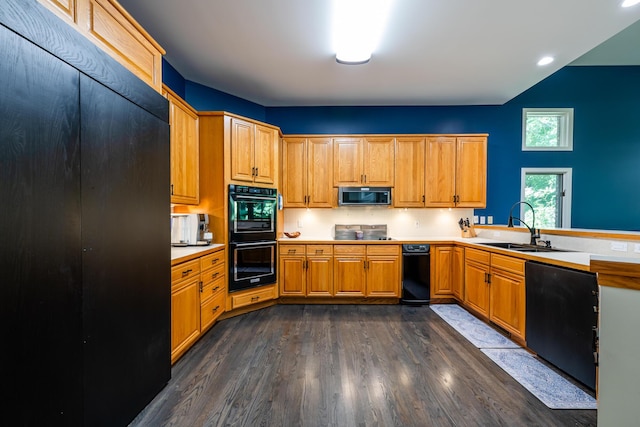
x=320, y=173
x=292, y=276
x=347, y=162
x=185, y=317
x=457, y=273
x=471, y=172
x=320, y=276
x=184, y=152
x=442, y=283
x=379, y=161
x=440, y=171
x=265, y=153
x=294, y=172
x=383, y=276
x=476, y=287
x=409, y=173
x=242, y=137
x=507, y=305
x=349, y=276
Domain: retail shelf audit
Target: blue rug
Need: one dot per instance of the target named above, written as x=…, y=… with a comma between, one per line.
x=473, y=329
x=551, y=388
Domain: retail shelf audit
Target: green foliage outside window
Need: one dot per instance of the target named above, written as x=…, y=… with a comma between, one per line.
x=542, y=192
x=542, y=130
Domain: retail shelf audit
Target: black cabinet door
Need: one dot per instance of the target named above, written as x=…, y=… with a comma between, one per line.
x=126, y=255
x=40, y=270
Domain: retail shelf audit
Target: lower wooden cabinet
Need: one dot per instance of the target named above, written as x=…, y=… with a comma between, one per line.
x=457, y=273
x=198, y=294
x=447, y=277
x=317, y=270
x=252, y=296
x=495, y=288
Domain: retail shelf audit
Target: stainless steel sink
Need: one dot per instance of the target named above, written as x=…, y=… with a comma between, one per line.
x=522, y=247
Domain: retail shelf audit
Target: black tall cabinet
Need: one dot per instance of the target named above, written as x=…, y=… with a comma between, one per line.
x=84, y=230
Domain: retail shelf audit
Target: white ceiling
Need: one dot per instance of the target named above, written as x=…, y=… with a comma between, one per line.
x=433, y=52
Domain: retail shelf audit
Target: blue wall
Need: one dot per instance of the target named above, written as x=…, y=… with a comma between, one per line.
x=605, y=159
x=172, y=78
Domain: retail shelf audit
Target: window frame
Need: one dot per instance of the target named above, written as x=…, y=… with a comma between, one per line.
x=565, y=137
x=566, y=184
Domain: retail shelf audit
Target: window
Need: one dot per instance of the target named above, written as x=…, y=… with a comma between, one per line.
x=547, y=129
x=548, y=190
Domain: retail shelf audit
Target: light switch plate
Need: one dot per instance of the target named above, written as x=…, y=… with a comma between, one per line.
x=636, y=248
x=482, y=220
x=619, y=246
x=490, y=219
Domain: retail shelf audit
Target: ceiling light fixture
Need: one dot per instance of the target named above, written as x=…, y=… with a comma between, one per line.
x=357, y=28
x=629, y=3
x=545, y=60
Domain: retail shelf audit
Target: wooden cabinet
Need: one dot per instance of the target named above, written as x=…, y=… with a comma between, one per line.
x=292, y=270
x=447, y=278
x=367, y=270
x=307, y=173
x=185, y=307
x=457, y=273
x=349, y=270
x=252, y=296
x=108, y=25
x=456, y=171
x=364, y=161
x=409, y=172
x=495, y=288
x=306, y=270
x=476, y=280
x=198, y=293
x=319, y=270
x=185, y=177
x=507, y=300
x=383, y=271
x=213, y=288
x=253, y=152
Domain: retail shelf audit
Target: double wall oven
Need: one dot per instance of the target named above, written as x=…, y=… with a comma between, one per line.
x=252, y=236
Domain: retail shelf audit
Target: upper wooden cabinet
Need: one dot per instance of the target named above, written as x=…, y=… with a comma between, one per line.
x=109, y=26
x=253, y=151
x=185, y=176
x=364, y=161
x=307, y=173
x=456, y=170
x=410, y=174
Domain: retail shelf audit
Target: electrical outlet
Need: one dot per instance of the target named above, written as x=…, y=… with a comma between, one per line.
x=636, y=248
x=490, y=219
x=482, y=220
x=475, y=219
x=417, y=224
x=300, y=223
x=619, y=246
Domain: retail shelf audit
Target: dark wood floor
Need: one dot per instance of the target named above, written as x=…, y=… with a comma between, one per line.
x=344, y=365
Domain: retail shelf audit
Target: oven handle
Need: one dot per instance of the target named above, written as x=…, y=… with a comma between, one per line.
x=263, y=243
x=239, y=196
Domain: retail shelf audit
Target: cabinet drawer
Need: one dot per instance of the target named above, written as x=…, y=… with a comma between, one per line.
x=383, y=250
x=350, y=249
x=212, y=274
x=211, y=310
x=212, y=260
x=291, y=249
x=478, y=256
x=211, y=288
x=251, y=297
x=319, y=250
x=507, y=263
x=185, y=270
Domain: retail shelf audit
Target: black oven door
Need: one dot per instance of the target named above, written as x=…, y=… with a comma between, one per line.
x=251, y=265
x=252, y=218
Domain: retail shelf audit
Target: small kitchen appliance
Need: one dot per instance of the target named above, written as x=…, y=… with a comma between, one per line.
x=190, y=229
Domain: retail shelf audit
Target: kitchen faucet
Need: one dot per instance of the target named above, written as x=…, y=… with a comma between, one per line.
x=534, y=234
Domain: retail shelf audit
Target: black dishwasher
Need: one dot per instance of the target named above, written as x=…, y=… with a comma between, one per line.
x=415, y=274
x=562, y=317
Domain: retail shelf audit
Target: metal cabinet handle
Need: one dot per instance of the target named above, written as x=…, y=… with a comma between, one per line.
x=172, y=189
x=186, y=272
x=214, y=275
x=215, y=309
x=201, y=287
x=253, y=299
x=213, y=261
x=215, y=289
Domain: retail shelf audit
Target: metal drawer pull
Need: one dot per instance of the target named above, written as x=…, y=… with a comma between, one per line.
x=214, y=275
x=254, y=299
x=215, y=309
x=213, y=261
x=186, y=273
x=215, y=289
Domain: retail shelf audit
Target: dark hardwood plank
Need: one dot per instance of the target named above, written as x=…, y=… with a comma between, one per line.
x=340, y=365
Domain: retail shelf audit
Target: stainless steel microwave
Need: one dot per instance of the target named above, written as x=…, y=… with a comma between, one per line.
x=349, y=196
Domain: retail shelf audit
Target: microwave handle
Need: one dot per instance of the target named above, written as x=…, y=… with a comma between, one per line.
x=237, y=196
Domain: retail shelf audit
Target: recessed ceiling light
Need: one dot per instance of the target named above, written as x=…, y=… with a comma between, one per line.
x=357, y=28
x=629, y=3
x=545, y=60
